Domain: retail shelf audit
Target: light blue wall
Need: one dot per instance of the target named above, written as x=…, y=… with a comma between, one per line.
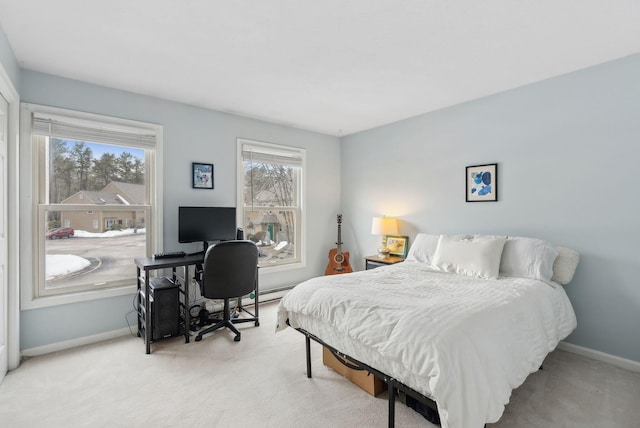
x=8, y=60
x=190, y=134
x=568, y=150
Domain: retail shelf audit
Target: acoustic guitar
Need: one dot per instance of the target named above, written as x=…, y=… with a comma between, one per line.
x=338, y=260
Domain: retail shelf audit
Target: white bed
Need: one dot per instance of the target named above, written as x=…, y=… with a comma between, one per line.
x=463, y=341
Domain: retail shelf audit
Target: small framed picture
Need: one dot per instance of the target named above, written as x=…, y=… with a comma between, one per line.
x=482, y=183
x=202, y=174
x=398, y=245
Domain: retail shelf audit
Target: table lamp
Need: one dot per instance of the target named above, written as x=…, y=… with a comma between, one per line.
x=384, y=226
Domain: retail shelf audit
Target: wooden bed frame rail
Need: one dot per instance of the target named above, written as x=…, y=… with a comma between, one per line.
x=393, y=385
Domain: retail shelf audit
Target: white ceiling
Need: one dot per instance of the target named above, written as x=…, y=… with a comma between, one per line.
x=332, y=66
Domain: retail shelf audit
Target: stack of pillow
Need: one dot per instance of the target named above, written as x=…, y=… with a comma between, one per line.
x=487, y=256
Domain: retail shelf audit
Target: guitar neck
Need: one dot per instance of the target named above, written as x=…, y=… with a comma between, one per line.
x=339, y=243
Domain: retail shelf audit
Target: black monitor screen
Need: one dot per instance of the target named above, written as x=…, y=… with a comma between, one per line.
x=202, y=224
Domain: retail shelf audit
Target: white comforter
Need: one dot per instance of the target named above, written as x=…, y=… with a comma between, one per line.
x=465, y=342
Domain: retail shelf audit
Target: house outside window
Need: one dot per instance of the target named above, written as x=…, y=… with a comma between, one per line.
x=96, y=186
x=270, y=200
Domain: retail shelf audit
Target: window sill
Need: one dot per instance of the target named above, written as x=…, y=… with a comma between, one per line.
x=64, y=299
x=281, y=268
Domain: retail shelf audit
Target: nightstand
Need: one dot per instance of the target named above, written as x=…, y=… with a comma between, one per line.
x=372, y=262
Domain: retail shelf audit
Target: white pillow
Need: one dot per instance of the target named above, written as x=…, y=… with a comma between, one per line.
x=479, y=256
x=528, y=258
x=565, y=265
x=423, y=248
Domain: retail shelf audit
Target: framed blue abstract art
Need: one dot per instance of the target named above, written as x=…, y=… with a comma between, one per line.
x=482, y=183
x=202, y=175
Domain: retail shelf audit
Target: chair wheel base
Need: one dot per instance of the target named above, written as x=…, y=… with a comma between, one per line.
x=198, y=338
x=236, y=339
x=257, y=324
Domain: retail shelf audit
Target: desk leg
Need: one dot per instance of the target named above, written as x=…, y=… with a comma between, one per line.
x=187, y=312
x=147, y=313
x=138, y=301
x=255, y=302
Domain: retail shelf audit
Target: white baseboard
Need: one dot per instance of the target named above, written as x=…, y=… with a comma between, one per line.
x=624, y=363
x=73, y=343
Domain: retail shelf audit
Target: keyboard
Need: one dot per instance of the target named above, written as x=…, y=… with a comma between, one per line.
x=169, y=255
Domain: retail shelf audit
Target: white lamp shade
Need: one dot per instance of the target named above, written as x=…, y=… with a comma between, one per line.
x=384, y=226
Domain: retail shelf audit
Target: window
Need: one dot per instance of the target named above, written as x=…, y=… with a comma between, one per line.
x=95, y=192
x=270, y=194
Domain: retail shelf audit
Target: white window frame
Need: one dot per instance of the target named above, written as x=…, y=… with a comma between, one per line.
x=301, y=212
x=33, y=243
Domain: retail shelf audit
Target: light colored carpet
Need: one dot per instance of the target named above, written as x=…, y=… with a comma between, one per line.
x=261, y=382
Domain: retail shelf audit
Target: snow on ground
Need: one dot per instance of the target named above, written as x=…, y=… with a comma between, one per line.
x=108, y=234
x=64, y=264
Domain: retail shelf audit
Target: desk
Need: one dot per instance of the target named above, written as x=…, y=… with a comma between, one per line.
x=148, y=264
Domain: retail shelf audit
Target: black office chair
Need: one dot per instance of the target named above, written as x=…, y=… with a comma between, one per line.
x=230, y=271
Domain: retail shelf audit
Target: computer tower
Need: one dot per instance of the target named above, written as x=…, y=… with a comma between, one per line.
x=164, y=301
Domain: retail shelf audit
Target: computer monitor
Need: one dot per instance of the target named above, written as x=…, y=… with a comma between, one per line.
x=204, y=224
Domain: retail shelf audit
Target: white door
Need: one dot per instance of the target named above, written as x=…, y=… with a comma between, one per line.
x=4, y=114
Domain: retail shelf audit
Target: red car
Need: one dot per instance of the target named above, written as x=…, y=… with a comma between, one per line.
x=61, y=232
